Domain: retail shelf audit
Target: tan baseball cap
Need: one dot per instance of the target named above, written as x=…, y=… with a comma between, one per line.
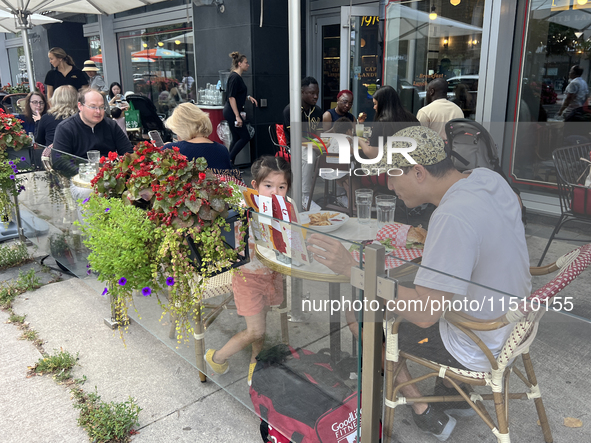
x=429, y=151
x=89, y=65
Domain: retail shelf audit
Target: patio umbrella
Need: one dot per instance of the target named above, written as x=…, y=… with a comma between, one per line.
x=8, y=22
x=99, y=59
x=156, y=53
x=22, y=12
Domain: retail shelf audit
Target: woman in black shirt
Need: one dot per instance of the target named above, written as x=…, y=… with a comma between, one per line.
x=236, y=93
x=35, y=107
x=65, y=72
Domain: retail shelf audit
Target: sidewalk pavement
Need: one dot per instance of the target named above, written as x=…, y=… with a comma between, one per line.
x=177, y=407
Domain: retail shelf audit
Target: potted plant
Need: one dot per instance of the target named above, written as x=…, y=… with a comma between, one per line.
x=12, y=138
x=145, y=207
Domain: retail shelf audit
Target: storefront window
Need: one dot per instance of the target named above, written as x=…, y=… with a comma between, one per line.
x=154, y=63
x=558, y=38
x=364, y=63
x=18, y=65
x=331, y=47
x=96, y=52
x=426, y=40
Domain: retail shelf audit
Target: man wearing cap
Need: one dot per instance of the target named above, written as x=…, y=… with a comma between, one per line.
x=96, y=81
x=475, y=234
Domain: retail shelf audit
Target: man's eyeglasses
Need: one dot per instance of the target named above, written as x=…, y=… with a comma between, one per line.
x=37, y=103
x=94, y=108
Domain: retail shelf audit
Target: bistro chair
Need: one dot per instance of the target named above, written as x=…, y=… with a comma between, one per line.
x=525, y=321
x=575, y=198
x=11, y=101
x=277, y=136
x=330, y=161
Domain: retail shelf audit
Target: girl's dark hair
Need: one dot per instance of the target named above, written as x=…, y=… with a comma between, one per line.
x=111, y=89
x=390, y=107
x=28, y=112
x=60, y=53
x=343, y=125
x=236, y=58
x=267, y=164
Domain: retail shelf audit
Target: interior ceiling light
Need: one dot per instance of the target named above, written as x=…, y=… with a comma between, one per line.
x=433, y=14
x=582, y=2
x=457, y=2
x=160, y=44
x=177, y=42
x=578, y=34
x=145, y=45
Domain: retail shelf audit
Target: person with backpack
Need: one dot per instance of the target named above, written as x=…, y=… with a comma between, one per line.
x=475, y=234
x=256, y=287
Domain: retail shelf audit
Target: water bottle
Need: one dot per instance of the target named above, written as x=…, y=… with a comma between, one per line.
x=32, y=137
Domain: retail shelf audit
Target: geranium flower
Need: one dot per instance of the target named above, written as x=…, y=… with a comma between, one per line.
x=146, y=291
x=105, y=291
x=112, y=155
x=202, y=176
x=122, y=281
x=170, y=281
x=102, y=159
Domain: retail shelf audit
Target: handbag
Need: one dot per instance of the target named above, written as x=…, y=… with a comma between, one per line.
x=132, y=118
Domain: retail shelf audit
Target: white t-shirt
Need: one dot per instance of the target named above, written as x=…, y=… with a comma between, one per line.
x=579, y=87
x=437, y=113
x=477, y=234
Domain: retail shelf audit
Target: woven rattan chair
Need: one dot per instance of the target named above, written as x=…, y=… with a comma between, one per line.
x=575, y=198
x=220, y=284
x=525, y=325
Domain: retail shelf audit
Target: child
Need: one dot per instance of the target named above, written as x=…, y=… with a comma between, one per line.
x=258, y=287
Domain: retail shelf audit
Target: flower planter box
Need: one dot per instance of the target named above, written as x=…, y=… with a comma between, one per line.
x=229, y=241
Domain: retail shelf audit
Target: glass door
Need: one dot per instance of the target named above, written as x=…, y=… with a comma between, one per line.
x=360, y=61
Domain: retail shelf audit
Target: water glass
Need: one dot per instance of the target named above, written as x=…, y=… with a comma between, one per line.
x=385, y=208
x=93, y=156
x=86, y=172
x=363, y=199
x=359, y=129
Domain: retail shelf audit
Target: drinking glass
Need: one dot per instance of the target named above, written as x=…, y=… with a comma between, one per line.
x=385, y=208
x=359, y=129
x=363, y=199
x=93, y=156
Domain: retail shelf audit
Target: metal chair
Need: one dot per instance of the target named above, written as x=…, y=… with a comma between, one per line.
x=525, y=321
x=10, y=101
x=277, y=136
x=575, y=198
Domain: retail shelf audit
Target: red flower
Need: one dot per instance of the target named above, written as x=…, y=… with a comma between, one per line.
x=201, y=176
x=112, y=156
x=175, y=149
x=102, y=160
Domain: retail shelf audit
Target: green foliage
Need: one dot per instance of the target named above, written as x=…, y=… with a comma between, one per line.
x=106, y=422
x=19, y=88
x=13, y=254
x=29, y=334
x=60, y=364
x=16, y=318
x=10, y=290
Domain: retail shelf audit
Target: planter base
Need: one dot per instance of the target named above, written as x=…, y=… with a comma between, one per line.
x=114, y=323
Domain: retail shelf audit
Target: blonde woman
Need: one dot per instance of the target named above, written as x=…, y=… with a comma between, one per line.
x=64, y=72
x=64, y=105
x=192, y=127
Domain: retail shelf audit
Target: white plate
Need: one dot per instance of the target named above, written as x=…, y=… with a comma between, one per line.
x=337, y=221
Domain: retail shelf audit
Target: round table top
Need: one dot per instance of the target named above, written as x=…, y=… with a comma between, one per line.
x=350, y=232
x=81, y=184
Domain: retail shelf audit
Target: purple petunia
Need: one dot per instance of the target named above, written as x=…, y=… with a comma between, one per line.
x=105, y=291
x=170, y=281
x=88, y=272
x=146, y=291
x=85, y=200
x=23, y=159
x=122, y=281
x=11, y=177
x=107, y=210
x=11, y=162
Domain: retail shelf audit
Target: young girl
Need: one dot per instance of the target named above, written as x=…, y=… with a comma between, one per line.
x=258, y=287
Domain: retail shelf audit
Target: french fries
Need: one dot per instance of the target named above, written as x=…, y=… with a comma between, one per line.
x=321, y=219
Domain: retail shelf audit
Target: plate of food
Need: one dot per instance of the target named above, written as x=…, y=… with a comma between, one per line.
x=323, y=221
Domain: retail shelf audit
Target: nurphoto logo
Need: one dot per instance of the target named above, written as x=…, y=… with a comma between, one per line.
x=344, y=157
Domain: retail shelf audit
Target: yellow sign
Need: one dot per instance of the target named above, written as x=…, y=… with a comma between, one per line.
x=372, y=88
x=560, y=5
x=370, y=20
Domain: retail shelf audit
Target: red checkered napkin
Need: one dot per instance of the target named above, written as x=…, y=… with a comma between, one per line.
x=398, y=234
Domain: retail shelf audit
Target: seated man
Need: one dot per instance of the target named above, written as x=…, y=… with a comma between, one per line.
x=312, y=122
x=476, y=234
x=90, y=130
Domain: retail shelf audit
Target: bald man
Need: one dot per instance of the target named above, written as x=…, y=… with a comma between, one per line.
x=438, y=110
